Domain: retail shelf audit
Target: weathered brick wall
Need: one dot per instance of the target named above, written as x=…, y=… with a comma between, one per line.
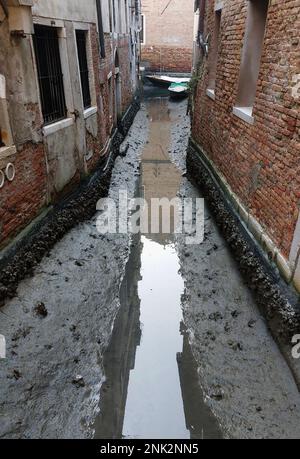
x=22, y=200
x=124, y=60
x=169, y=34
x=261, y=162
x=102, y=67
x=106, y=113
x=167, y=58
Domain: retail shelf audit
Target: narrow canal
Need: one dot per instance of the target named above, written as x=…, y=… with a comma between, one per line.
x=145, y=336
x=152, y=389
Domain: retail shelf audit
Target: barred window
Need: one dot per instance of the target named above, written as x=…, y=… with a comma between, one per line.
x=50, y=74
x=83, y=67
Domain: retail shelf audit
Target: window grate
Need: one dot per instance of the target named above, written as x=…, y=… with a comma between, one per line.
x=83, y=67
x=50, y=74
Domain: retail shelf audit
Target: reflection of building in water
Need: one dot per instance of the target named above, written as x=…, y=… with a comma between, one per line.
x=120, y=356
x=160, y=177
x=199, y=419
x=151, y=401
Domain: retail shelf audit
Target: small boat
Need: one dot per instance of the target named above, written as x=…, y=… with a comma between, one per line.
x=166, y=81
x=178, y=90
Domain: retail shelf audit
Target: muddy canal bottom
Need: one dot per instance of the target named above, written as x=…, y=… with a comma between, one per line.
x=152, y=389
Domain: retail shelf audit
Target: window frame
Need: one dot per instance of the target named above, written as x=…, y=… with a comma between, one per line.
x=244, y=110
x=62, y=110
x=86, y=98
x=214, y=60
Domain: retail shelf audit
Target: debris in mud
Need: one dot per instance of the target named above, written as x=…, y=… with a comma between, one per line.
x=235, y=346
x=123, y=150
x=227, y=328
x=79, y=263
x=41, y=310
x=21, y=333
x=218, y=394
x=16, y=374
x=235, y=314
x=78, y=381
x=215, y=316
x=210, y=336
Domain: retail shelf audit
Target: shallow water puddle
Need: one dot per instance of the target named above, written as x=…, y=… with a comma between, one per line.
x=154, y=404
x=151, y=389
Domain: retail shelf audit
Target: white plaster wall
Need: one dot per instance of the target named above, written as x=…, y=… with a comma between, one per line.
x=105, y=15
x=61, y=158
x=72, y=10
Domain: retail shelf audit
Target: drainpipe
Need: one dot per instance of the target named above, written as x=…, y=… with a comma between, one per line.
x=100, y=28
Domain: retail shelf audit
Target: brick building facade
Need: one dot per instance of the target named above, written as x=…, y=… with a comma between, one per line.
x=168, y=33
x=68, y=71
x=246, y=117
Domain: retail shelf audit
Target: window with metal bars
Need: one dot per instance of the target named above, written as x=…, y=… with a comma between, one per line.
x=83, y=67
x=50, y=74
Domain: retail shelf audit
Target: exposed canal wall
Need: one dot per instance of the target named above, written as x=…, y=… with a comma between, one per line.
x=59, y=323
x=279, y=303
x=21, y=259
x=245, y=378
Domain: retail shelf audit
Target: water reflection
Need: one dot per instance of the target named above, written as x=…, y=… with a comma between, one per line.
x=152, y=389
x=159, y=176
x=199, y=419
x=120, y=355
x=154, y=406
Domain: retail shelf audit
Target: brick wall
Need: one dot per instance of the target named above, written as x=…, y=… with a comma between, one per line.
x=96, y=143
x=168, y=34
x=261, y=162
x=124, y=60
x=33, y=187
x=22, y=200
x=106, y=113
x=167, y=58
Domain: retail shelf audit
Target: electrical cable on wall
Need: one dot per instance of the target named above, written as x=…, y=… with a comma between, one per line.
x=167, y=6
